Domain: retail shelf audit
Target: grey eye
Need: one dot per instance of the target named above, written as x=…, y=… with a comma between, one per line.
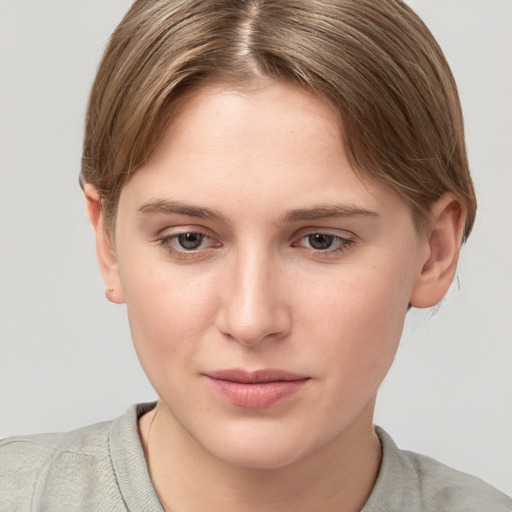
x=190, y=241
x=320, y=241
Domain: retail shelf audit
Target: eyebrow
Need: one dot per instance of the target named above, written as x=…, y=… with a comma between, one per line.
x=178, y=208
x=302, y=214
x=327, y=212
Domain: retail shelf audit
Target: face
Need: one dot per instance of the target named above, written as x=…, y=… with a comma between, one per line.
x=266, y=285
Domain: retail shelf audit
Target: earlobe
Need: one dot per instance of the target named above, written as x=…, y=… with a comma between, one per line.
x=444, y=240
x=105, y=252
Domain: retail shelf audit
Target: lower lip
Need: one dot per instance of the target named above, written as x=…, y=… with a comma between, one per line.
x=257, y=395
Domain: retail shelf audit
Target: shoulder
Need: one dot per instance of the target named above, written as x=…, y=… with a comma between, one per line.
x=454, y=490
x=433, y=486
x=50, y=469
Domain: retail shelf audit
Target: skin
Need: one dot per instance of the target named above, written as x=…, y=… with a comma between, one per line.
x=258, y=293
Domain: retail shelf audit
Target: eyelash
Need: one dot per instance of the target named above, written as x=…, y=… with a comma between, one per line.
x=342, y=244
x=166, y=242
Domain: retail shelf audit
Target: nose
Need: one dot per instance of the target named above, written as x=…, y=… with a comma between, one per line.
x=254, y=304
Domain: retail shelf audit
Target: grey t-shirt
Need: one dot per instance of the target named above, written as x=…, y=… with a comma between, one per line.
x=102, y=468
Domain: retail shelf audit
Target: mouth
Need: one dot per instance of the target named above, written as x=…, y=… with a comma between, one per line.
x=255, y=389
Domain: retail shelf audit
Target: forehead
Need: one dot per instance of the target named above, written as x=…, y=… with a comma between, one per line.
x=264, y=146
x=254, y=114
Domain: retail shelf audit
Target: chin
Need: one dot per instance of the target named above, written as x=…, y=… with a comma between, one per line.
x=257, y=457
x=257, y=449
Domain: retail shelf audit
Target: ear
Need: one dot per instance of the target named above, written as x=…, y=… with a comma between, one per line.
x=443, y=241
x=104, y=247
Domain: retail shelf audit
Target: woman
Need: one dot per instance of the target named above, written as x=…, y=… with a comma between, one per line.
x=272, y=186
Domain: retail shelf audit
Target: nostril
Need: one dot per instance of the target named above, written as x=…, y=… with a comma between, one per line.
x=251, y=328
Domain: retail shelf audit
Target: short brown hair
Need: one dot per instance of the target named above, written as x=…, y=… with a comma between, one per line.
x=374, y=60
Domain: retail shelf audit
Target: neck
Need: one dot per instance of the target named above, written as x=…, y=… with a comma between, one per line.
x=339, y=476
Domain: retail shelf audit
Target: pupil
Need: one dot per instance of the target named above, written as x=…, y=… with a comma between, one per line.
x=190, y=240
x=319, y=241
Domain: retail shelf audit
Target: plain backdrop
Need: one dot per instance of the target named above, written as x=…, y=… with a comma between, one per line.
x=66, y=357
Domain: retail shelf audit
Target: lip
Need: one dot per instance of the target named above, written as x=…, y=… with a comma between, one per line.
x=255, y=389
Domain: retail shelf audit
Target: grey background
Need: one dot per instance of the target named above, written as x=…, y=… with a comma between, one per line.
x=66, y=358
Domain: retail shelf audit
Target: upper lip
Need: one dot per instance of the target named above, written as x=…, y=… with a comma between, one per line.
x=255, y=376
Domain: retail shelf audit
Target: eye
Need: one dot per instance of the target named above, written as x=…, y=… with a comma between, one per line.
x=324, y=242
x=188, y=242
x=321, y=242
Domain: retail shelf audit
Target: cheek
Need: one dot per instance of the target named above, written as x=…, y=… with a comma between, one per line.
x=167, y=311
x=356, y=318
